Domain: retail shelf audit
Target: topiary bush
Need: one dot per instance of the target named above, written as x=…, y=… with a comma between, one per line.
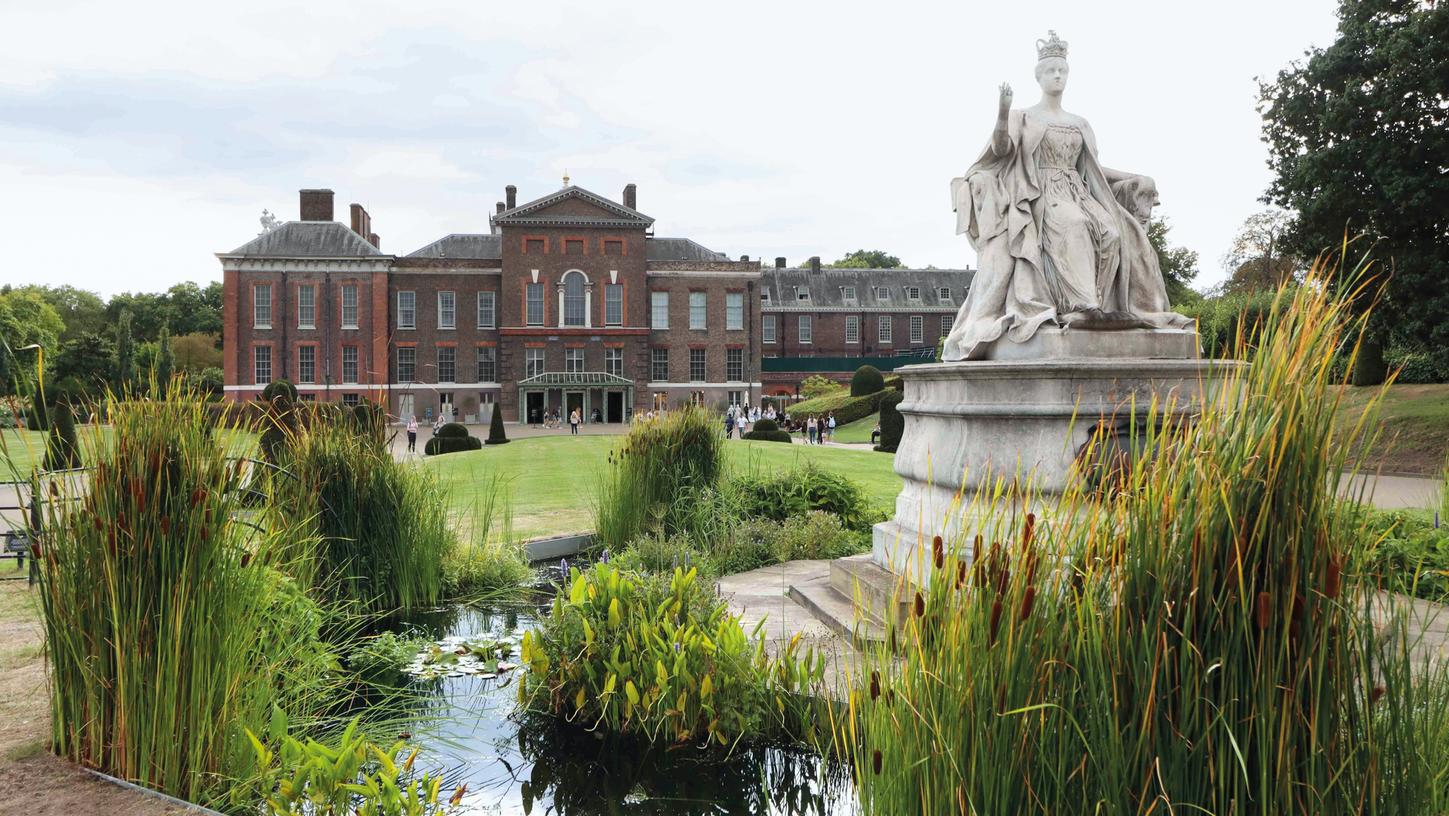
x=452, y=438
x=892, y=423
x=496, y=434
x=62, y=450
x=867, y=380
x=767, y=430
x=277, y=388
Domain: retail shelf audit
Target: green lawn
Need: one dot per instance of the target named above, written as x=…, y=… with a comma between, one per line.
x=552, y=481
x=857, y=431
x=22, y=451
x=1414, y=427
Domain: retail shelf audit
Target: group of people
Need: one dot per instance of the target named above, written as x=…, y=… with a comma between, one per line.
x=554, y=419
x=412, y=428
x=815, y=429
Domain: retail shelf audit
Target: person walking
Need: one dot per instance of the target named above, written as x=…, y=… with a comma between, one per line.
x=412, y=434
x=830, y=427
x=574, y=419
x=812, y=428
x=729, y=422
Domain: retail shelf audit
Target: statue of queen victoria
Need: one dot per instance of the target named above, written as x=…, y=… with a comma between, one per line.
x=1062, y=240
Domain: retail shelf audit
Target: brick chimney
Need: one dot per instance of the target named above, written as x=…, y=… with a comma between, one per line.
x=631, y=196
x=815, y=264
x=499, y=210
x=316, y=205
x=511, y=196
x=361, y=222
x=374, y=239
x=779, y=263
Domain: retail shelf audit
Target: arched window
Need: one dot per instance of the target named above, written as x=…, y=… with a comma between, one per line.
x=574, y=307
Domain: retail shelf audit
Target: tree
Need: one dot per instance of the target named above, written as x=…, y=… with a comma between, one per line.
x=87, y=362
x=81, y=311
x=1258, y=259
x=125, y=372
x=817, y=386
x=149, y=312
x=1357, y=141
x=1179, y=264
x=867, y=259
x=26, y=319
x=866, y=380
x=197, y=351
x=190, y=309
x=165, y=360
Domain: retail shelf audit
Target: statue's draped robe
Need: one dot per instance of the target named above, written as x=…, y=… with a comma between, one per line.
x=999, y=206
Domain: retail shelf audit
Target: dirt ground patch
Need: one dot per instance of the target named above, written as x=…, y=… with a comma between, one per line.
x=34, y=781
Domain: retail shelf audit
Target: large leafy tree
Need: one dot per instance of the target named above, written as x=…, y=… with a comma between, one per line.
x=868, y=259
x=25, y=319
x=82, y=311
x=1358, y=139
x=1179, y=264
x=1259, y=258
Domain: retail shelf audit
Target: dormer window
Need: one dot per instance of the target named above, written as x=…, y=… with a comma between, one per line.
x=944, y=293
x=802, y=294
x=913, y=293
x=765, y=296
x=847, y=293
x=883, y=294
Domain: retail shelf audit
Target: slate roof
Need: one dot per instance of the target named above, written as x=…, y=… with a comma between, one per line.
x=679, y=249
x=532, y=213
x=464, y=246
x=827, y=289
x=308, y=239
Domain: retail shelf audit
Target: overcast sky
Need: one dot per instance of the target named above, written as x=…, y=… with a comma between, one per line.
x=137, y=139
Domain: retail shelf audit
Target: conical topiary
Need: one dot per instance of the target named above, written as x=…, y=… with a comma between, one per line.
x=62, y=450
x=496, y=436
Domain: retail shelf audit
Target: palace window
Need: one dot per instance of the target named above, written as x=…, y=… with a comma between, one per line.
x=946, y=322
x=659, y=310
x=883, y=294
x=407, y=364
x=696, y=365
x=883, y=330
x=447, y=364
x=487, y=310
x=696, y=310
x=918, y=329
x=944, y=293
x=262, y=306
x=613, y=304
x=349, y=364
x=261, y=365
x=447, y=310
x=574, y=299
x=574, y=360
x=847, y=294
x=913, y=293
x=804, y=328
x=349, y=306
x=734, y=311
x=351, y=400
x=307, y=307
x=802, y=293
x=852, y=328
x=407, y=310
x=533, y=362
x=614, y=361
x=487, y=364
x=306, y=364
x=534, y=305
x=659, y=364
x=734, y=365
x=767, y=328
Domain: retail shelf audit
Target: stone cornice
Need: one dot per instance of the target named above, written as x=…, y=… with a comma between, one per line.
x=247, y=263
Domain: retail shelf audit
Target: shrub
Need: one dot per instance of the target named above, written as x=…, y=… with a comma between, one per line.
x=867, y=380
x=1206, y=628
x=441, y=444
x=662, y=657
x=62, y=449
x=778, y=496
x=767, y=424
x=167, y=633
x=496, y=434
x=657, y=462
x=1410, y=555
x=279, y=427
x=486, y=568
x=1370, y=368
x=892, y=423
x=37, y=416
x=816, y=535
x=280, y=388
x=369, y=421
x=1416, y=367
x=846, y=408
x=817, y=385
x=767, y=430
x=657, y=552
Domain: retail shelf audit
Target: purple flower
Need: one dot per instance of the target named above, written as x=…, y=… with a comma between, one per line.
x=563, y=568
x=604, y=559
x=676, y=647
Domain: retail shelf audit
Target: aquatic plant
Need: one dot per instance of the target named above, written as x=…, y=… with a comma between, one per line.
x=486, y=560
x=167, y=632
x=659, y=461
x=1199, y=640
x=662, y=657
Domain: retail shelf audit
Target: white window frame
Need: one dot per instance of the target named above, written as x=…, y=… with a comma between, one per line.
x=261, y=311
x=356, y=363
x=349, y=321
x=847, y=294
x=947, y=322
x=740, y=374
x=734, y=311
x=703, y=359
x=884, y=330
x=918, y=329
x=656, y=359
x=488, y=355
x=447, y=309
x=532, y=358
x=574, y=310
x=257, y=377
x=614, y=361
x=574, y=360
x=658, y=310
x=852, y=329
x=438, y=352
x=698, y=311
x=883, y=294
x=307, y=306
x=487, y=302
x=804, y=329
x=943, y=293
x=530, y=317
x=407, y=316
x=413, y=352
x=613, y=304
x=302, y=377
x=802, y=294
x=767, y=329
x=913, y=293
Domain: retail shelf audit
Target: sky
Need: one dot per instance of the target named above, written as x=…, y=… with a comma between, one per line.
x=139, y=139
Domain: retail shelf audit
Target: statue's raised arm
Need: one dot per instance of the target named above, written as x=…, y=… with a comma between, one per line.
x=1061, y=239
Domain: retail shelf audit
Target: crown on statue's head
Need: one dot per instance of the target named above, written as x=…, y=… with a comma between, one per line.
x=1053, y=46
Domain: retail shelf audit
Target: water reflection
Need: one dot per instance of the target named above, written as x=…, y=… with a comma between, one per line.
x=538, y=765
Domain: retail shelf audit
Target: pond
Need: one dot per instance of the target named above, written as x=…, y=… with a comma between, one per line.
x=537, y=765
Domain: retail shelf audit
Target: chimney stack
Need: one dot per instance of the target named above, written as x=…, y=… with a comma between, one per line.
x=815, y=264
x=316, y=205
x=499, y=211
x=361, y=222
x=511, y=196
x=744, y=259
x=374, y=239
x=631, y=196
x=779, y=263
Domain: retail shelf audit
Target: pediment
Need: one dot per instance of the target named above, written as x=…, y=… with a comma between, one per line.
x=573, y=206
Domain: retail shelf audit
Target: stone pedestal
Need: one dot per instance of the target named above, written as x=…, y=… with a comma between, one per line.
x=1023, y=414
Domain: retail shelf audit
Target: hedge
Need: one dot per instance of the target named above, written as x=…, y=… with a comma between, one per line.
x=845, y=407
x=867, y=380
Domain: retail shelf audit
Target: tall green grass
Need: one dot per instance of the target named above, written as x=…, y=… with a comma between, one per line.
x=383, y=525
x=658, y=463
x=167, y=630
x=1197, y=639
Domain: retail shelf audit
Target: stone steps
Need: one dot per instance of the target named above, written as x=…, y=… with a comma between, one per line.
x=854, y=599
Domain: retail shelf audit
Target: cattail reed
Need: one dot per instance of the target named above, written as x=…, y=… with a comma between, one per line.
x=874, y=685
x=1027, y=600
x=938, y=552
x=920, y=606
x=995, y=621
x=1264, y=610
x=1332, y=578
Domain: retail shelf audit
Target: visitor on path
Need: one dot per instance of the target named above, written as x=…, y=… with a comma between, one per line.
x=830, y=427
x=412, y=434
x=574, y=419
x=812, y=430
x=875, y=434
x=729, y=421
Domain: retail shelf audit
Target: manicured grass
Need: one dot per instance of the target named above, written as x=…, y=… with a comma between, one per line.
x=22, y=451
x=1415, y=432
x=551, y=482
x=857, y=431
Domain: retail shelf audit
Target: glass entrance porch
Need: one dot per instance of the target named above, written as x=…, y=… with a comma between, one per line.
x=601, y=397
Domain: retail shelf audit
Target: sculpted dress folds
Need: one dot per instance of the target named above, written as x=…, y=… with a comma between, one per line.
x=1055, y=245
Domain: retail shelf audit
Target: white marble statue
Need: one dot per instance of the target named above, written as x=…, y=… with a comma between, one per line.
x=1061, y=239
